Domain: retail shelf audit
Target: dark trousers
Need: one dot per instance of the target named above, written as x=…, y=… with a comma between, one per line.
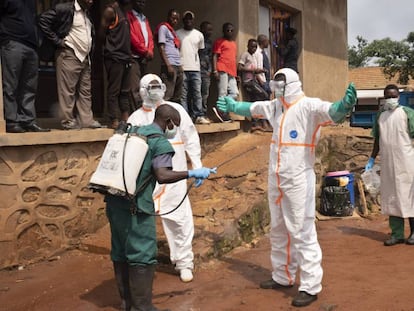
x=118, y=90
x=173, y=82
x=205, y=90
x=138, y=70
x=20, y=75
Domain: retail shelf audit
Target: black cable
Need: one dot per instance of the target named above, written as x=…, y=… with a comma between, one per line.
x=191, y=185
x=172, y=210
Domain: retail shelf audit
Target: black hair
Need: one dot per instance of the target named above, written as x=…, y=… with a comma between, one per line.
x=226, y=25
x=391, y=87
x=166, y=112
x=204, y=24
x=251, y=41
x=170, y=11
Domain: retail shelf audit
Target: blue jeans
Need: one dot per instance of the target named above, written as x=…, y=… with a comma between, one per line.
x=191, y=96
x=227, y=85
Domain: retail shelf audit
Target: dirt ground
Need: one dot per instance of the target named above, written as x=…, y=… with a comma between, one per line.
x=360, y=274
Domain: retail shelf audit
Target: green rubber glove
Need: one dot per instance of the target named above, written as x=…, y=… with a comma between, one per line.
x=228, y=104
x=340, y=109
x=350, y=97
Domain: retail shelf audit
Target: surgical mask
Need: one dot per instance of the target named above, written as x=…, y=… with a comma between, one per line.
x=391, y=103
x=278, y=87
x=170, y=134
x=156, y=95
x=152, y=95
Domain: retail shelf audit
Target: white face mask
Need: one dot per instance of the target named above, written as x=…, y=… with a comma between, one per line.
x=278, y=87
x=152, y=95
x=156, y=95
x=170, y=134
x=391, y=103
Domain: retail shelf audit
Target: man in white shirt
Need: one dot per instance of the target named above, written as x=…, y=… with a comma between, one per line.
x=263, y=62
x=192, y=40
x=70, y=28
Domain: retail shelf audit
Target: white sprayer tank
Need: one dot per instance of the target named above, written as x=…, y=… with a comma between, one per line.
x=108, y=176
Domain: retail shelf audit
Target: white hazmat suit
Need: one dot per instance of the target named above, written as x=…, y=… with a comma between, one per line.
x=296, y=120
x=178, y=225
x=397, y=164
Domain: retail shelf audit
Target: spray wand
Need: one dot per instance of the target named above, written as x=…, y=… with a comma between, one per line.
x=192, y=183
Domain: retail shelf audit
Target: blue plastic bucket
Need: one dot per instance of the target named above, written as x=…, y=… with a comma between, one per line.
x=350, y=186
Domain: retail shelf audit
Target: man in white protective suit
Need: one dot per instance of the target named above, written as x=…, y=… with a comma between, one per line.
x=393, y=131
x=178, y=225
x=296, y=120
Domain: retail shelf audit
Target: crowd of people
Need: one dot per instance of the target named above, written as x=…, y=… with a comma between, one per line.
x=65, y=34
x=164, y=108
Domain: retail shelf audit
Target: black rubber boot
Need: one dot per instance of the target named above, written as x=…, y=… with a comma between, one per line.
x=397, y=231
x=303, y=299
x=271, y=284
x=410, y=240
x=140, y=285
x=122, y=281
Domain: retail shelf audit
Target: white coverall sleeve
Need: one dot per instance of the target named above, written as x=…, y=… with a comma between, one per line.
x=190, y=139
x=320, y=110
x=137, y=118
x=264, y=109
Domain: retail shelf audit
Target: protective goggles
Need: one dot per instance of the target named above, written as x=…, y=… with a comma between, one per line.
x=277, y=85
x=155, y=87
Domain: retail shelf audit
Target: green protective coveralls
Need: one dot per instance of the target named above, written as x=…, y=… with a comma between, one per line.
x=133, y=237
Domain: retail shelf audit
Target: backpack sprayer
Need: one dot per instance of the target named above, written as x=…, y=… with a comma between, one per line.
x=126, y=148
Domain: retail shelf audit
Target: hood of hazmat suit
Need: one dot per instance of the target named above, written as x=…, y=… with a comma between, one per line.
x=152, y=90
x=293, y=87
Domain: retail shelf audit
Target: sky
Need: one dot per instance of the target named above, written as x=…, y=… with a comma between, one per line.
x=378, y=19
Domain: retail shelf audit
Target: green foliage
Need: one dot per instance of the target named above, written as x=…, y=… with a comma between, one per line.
x=397, y=57
x=357, y=56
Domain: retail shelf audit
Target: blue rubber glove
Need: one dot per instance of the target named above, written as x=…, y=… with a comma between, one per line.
x=370, y=164
x=198, y=182
x=340, y=109
x=201, y=173
x=228, y=104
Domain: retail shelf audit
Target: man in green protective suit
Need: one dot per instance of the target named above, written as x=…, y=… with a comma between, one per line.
x=133, y=230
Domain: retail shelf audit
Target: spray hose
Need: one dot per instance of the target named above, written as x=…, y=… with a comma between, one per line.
x=191, y=185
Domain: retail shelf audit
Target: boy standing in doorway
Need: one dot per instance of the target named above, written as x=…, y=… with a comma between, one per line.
x=225, y=67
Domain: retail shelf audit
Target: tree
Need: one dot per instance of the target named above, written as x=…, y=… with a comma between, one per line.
x=397, y=57
x=357, y=56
